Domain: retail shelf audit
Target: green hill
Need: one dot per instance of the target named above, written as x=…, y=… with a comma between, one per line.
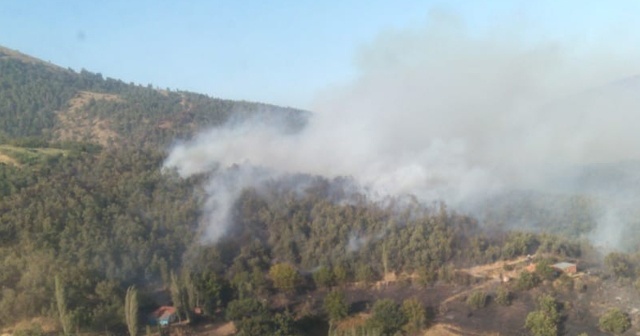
x=38, y=99
x=86, y=212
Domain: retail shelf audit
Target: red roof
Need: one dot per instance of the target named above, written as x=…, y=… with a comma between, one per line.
x=164, y=311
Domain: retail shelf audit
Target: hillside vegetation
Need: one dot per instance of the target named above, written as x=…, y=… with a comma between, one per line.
x=89, y=220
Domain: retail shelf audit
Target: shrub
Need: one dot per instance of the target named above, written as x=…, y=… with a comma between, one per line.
x=503, y=296
x=527, y=281
x=285, y=277
x=545, y=320
x=323, y=277
x=416, y=316
x=335, y=305
x=477, y=300
x=387, y=317
x=614, y=321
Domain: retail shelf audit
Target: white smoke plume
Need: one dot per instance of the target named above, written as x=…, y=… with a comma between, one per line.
x=447, y=116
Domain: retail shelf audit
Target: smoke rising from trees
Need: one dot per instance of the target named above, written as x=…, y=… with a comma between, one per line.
x=444, y=115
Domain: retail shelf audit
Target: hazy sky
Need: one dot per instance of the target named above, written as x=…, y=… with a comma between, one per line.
x=281, y=52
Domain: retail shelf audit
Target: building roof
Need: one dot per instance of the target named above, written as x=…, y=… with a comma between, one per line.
x=564, y=265
x=164, y=312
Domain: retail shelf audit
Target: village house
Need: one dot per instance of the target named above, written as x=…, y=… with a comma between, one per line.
x=163, y=316
x=565, y=267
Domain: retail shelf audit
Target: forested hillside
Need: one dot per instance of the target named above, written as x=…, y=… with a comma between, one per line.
x=88, y=213
x=51, y=104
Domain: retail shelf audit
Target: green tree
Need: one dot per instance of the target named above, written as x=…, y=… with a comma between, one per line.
x=544, y=269
x=341, y=274
x=527, y=281
x=614, y=321
x=178, y=296
x=387, y=317
x=544, y=321
x=477, y=299
x=416, y=316
x=323, y=277
x=61, y=302
x=250, y=316
x=284, y=276
x=131, y=310
x=503, y=296
x=336, y=306
x=284, y=324
x=364, y=273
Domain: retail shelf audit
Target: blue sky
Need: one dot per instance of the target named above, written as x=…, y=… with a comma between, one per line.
x=281, y=52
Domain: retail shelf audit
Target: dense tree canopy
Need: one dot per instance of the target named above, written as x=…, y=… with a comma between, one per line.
x=87, y=211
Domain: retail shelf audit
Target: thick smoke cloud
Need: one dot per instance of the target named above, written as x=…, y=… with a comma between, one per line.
x=446, y=116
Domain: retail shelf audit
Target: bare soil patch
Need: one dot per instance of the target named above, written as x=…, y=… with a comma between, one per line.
x=75, y=123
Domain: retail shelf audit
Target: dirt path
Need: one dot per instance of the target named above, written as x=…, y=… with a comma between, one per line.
x=443, y=329
x=494, y=268
x=491, y=271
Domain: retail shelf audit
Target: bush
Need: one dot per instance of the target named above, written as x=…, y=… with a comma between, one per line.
x=250, y=316
x=527, y=281
x=416, y=316
x=284, y=276
x=544, y=321
x=544, y=269
x=387, y=317
x=364, y=273
x=33, y=330
x=335, y=305
x=503, y=296
x=477, y=300
x=323, y=277
x=614, y=321
x=564, y=282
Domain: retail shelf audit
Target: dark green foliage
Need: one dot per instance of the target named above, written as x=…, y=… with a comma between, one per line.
x=544, y=269
x=527, y=281
x=387, y=316
x=477, y=299
x=365, y=273
x=32, y=95
x=250, y=316
x=341, y=274
x=614, y=321
x=284, y=324
x=519, y=244
x=336, y=306
x=80, y=216
x=416, y=316
x=284, y=276
x=544, y=321
x=323, y=277
x=105, y=216
x=503, y=296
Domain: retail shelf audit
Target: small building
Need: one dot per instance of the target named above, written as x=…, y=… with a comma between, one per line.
x=566, y=267
x=164, y=316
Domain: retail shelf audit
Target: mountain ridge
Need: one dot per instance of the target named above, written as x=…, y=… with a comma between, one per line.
x=41, y=99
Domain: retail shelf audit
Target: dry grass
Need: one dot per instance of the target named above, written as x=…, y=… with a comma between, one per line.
x=47, y=325
x=353, y=322
x=17, y=156
x=442, y=329
x=8, y=160
x=75, y=123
